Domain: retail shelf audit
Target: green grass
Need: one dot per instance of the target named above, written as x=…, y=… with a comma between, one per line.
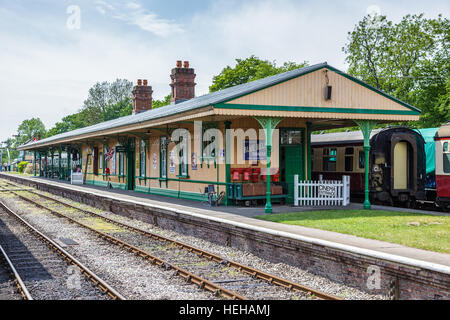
x=409, y=229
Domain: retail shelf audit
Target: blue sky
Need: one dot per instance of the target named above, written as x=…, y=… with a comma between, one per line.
x=47, y=67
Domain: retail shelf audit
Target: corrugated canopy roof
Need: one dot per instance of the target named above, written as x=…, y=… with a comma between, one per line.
x=209, y=99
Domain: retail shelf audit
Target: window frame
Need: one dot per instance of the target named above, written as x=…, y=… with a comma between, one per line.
x=326, y=156
x=446, y=157
x=163, y=160
x=142, y=158
x=349, y=159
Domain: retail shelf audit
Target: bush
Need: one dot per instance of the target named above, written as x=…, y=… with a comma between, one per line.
x=21, y=166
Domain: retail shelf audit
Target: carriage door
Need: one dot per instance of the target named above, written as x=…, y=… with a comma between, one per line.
x=291, y=158
x=401, y=165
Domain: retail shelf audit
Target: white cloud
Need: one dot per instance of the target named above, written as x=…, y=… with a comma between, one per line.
x=48, y=72
x=133, y=13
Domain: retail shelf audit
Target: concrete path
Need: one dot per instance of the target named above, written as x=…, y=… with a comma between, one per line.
x=243, y=216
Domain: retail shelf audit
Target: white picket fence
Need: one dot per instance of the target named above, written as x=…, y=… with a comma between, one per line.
x=322, y=192
x=76, y=178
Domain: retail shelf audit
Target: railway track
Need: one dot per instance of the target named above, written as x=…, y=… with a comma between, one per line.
x=12, y=286
x=45, y=268
x=207, y=270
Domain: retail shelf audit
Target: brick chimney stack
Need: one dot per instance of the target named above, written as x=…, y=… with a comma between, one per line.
x=183, y=85
x=142, y=97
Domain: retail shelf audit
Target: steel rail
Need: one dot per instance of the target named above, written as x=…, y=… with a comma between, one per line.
x=17, y=279
x=190, y=277
x=275, y=280
x=103, y=286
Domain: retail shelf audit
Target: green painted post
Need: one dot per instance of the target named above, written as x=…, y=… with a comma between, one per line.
x=59, y=163
x=34, y=163
x=46, y=164
x=268, y=124
x=69, y=164
x=227, y=160
x=366, y=127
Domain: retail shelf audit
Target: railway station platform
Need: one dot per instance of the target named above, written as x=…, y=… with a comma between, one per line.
x=243, y=215
x=416, y=273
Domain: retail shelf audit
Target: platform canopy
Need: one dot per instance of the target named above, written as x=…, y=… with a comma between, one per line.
x=300, y=93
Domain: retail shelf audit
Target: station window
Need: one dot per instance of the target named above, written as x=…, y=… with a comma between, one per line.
x=289, y=137
x=446, y=157
x=349, y=152
x=163, y=153
x=100, y=161
x=182, y=156
x=209, y=144
x=121, y=163
x=329, y=159
x=361, y=160
x=142, y=156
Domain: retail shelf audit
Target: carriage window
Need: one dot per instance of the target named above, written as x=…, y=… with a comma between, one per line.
x=329, y=159
x=446, y=158
x=349, y=159
x=361, y=160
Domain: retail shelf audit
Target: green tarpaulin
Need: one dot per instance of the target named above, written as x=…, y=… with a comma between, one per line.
x=428, y=136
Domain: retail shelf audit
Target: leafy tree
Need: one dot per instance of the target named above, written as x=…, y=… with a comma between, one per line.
x=161, y=103
x=101, y=96
x=30, y=129
x=249, y=69
x=409, y=60
x=106, y=101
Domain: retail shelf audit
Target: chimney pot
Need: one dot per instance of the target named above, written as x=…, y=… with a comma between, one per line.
x=178, y=63
x=139, y=82
x=186, y=64
x=145, y=82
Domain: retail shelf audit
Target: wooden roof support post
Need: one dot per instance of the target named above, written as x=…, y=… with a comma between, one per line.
x=366, y=127
x=268, y=124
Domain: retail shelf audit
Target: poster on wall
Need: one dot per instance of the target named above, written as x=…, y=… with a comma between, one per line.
x=172, y=162
x=155, y=161
x=194, y=161
x=254, y=150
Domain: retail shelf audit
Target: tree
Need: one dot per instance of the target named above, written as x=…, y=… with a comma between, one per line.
x=101, y=96
x=105, y=101
x=29, y=129
x=161, y=103
x=408, y=60
x=249, y=69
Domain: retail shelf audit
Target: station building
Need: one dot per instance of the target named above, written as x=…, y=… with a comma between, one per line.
x=142, y=152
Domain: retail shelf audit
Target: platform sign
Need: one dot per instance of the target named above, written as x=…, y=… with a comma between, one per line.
x=254, y=150
x=327, y=191
x=121, y=149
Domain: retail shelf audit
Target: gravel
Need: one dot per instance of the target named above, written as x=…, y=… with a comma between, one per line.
x=130, y=275
x=282, y=270
x=132, y=278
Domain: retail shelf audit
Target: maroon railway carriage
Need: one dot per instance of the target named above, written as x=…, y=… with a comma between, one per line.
x=442, y=140
x=397, y=167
